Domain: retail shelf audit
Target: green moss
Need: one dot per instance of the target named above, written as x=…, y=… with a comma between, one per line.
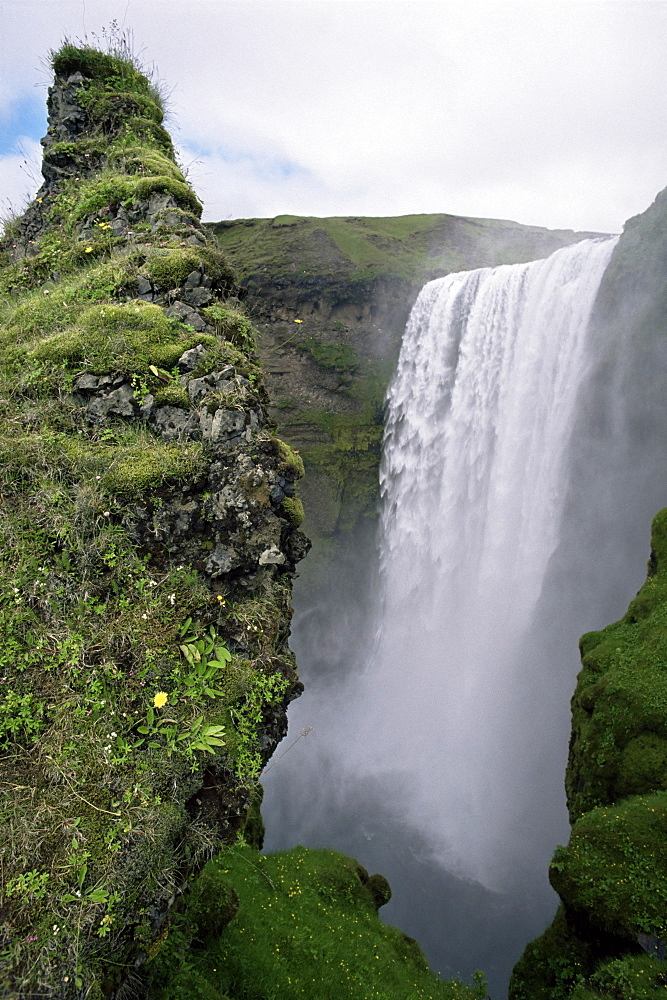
x=632, y=977
x=292, y=510
x=172, y=394
x=232, y=324
x=109, y=110
x=169, y=268
x=338, y=357
x=211, y=904
x=291, y=460
x=552, y=964
x=643, y=765
x=102, y=67
x=306, y=926
x=149, y=464
x=619, y=708
x=110, y=190
x=615, y=867
x=123, y=337
x=217, y=264
x=658, y=560
x=144, y=160
x=81, y=147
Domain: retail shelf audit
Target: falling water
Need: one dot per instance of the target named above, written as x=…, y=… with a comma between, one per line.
x=473, y=481
x=440, y=696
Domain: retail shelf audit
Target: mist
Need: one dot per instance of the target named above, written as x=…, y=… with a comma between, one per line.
x=440, y=738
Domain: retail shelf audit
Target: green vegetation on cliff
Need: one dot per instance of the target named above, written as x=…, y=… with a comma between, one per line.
x=342, y=256
x=148, y=539
x=612, y=875
x=145, y=672
x=301, y=923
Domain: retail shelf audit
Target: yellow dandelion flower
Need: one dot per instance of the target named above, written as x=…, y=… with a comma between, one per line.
x=89, y=249
x=160, y=699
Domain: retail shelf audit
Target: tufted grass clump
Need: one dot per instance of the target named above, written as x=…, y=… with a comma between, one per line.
x=122, y=337
x=149, y=464
x=137, y=159
x=111, y=189
x=306, y=926
x=168, y=268
x=107, y=69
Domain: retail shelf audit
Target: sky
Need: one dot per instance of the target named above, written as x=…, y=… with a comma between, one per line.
x=550, y=114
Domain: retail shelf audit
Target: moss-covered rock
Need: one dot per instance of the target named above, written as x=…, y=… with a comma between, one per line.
x=614, y=868
x=145, y=562
x=619, y=720
x=611, y=876
x=306, y=926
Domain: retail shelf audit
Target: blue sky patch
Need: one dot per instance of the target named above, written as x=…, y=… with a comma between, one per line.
x=25, y=116
x=264, y=167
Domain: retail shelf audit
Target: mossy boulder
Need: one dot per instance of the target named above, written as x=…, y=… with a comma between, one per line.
x=619, y=710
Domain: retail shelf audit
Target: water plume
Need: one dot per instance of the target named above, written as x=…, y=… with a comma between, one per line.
x=473, y=483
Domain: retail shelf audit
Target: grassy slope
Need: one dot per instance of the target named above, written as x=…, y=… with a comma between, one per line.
x=306, y=925
x=415, y=248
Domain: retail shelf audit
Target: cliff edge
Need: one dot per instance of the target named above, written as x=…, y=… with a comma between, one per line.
x=149, y=534
x=609, y=937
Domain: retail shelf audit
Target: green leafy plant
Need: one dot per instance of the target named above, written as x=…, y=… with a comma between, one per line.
x=21, y=716
x=265, y=690
x=28, y=886
x=206, y=656
x=166, y=732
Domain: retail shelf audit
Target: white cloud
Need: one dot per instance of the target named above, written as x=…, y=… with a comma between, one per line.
x=550, y=113
x=20, y=177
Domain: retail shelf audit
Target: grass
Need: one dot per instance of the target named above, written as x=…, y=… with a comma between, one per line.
x=306, y=926
x=109, y=722
x=342, y=255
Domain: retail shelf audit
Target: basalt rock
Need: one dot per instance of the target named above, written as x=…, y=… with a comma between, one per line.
x=147, y=559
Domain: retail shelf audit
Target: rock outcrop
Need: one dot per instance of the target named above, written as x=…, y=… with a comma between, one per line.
x=149, y=526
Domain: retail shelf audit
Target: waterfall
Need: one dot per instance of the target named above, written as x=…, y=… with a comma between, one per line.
x=455, y=705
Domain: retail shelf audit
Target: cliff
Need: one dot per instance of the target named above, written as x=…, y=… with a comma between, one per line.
x=609, y=936
x=149, y=536
x=330, y=298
